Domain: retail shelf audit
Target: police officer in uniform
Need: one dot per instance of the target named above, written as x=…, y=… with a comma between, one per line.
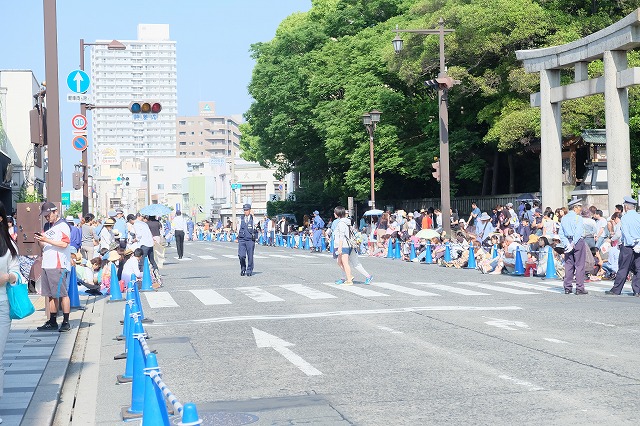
x=246, y=241
x=629, y=259
x=571, y=235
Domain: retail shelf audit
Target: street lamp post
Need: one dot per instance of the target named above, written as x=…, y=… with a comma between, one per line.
x=444, y=83
x=113, y=45
x=370, y=120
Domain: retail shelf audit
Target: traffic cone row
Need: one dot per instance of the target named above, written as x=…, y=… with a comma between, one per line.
x=147, y=399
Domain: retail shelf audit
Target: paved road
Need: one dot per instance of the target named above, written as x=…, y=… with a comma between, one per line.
x=422, y=345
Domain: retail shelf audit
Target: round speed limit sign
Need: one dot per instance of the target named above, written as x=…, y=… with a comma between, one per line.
x=79, y=122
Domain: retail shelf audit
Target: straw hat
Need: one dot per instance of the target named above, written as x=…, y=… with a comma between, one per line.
x=128, y=252
x=109, y=222
x=113, y=256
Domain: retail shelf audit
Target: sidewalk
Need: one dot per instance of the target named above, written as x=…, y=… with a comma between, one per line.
x=35, y=366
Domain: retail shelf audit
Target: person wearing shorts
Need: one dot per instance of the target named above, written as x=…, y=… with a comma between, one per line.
x=54, y=241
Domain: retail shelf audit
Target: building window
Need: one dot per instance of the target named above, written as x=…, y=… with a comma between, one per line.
x=176, y=186
x=258, y=192
x=182, y=123
x=158, y=168
x=161, y=186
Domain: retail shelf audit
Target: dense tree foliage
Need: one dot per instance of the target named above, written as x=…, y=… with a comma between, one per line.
x=326, y=67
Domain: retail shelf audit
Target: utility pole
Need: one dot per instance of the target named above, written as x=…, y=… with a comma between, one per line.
x=54, y=166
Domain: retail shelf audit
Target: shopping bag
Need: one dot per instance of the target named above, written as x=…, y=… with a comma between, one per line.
x=20, y=305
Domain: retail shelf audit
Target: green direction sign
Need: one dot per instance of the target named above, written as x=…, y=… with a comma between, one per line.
x=66, y=199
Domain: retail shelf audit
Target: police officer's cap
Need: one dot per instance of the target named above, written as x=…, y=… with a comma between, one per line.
x=316, y=212
x=246, y=207
x=629, y=200
x=574, y=203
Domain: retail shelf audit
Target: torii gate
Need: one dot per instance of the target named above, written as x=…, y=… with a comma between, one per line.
x=611, y=45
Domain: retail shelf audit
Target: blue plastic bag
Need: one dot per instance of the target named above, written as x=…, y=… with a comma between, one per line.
x=20, y=305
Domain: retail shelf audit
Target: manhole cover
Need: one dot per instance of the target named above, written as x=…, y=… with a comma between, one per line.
x=221, y=418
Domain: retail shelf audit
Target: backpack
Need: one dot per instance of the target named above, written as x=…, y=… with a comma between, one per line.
x=352, y=238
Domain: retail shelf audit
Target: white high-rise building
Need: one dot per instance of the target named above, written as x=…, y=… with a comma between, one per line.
x=144, y=71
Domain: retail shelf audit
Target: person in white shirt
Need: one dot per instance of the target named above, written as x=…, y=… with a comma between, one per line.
x=601, y=228
x=179, y=226
x=132, y=265
x=106, y=234
x=145, y=239
x=56, y=265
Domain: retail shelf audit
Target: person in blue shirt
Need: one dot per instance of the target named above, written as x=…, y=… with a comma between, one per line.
x=629, y=259
x=575, y=249
x=475, y=215
x=317, y=226
x=121, y=225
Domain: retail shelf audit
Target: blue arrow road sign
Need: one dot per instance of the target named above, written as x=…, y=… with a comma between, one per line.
x=80, y=143
x=78, y=81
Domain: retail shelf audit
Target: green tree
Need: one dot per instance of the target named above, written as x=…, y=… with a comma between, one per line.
x=74, y=209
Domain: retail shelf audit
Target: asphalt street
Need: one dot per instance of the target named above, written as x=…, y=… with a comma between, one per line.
x=422, y=345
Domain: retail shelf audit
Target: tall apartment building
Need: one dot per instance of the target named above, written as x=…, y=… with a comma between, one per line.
x=144, y=71
x=208, y=134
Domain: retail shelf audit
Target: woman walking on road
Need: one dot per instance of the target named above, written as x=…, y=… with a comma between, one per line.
x=346, y=255
x=9, y=270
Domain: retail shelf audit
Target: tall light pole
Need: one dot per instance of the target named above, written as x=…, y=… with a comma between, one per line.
x=113, y=45
x=370, y=121
x=54, y=164
x=443, y=83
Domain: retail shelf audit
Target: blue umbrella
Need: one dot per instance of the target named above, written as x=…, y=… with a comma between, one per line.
x=155, y=210
x=373, y=212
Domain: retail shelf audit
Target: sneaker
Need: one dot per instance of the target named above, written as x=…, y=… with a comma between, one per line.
x=47, y=326
x=368, y=280
x=350, y=282
x=340, y=281
x=64, y=327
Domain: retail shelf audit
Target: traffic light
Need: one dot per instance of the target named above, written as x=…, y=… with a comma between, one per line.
x=145, y=107
x=442, y=83
x=77, y=180
x=126, y=181
x=436, y=166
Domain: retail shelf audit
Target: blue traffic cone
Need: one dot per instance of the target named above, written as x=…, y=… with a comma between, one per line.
x=494, y=251
x=390, y=249
x=323, y=244
x=127, y=310
x=72, y=291
x=412, y=253
x=471, y=263
x=332, y=245
x=447, y=252
x=551, y=266
x=127, y=377
x=190, y=415
x=428, y=256
x=147, y=283
x=307, y=246
x=398, y=251
x=300, y=241
x=155, y=410
x=519, y=268
x=233, y=237
x=138, y=379
x=114, y=285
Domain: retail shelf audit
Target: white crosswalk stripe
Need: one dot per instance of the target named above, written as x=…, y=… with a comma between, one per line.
x=259, y=295
x=304, y=255
x=598, y=286
x=496, y=288
x=450, y=289
x=160, y=299
x=534, y=286
x=210, y=297
x=406, y=290
x=206, y=257
x=307, y=291
x=184, y=258
x=231, y=256
x=281, y=256
x=360, y=291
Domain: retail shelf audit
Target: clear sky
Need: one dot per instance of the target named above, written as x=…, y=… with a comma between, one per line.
x=213, y=39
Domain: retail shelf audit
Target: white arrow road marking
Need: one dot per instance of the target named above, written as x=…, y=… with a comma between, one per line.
x=266, y=340
x=505, y=324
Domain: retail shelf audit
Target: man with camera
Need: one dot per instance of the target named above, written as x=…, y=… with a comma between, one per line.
x=247, y=233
